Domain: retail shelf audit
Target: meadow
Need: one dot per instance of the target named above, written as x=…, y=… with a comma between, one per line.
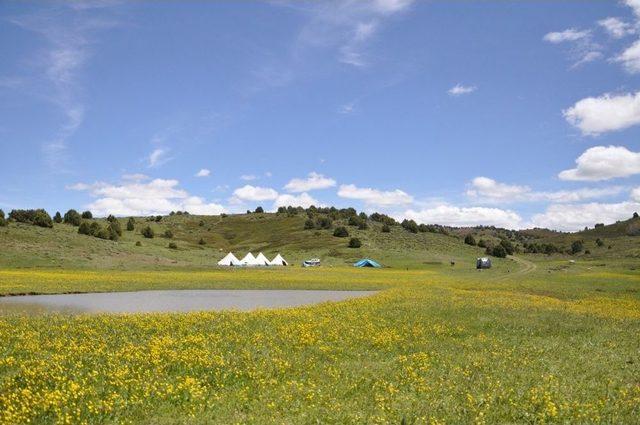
x=521, y=343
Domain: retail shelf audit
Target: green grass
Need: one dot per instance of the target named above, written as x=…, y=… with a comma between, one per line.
x=447, y=345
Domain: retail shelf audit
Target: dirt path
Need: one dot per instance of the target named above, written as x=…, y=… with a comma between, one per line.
x=527, y=267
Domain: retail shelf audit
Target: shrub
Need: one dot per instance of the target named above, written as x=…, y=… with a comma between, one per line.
x=324, y=223
x=173, y=245
x=168, y=234
x=115, y=231
x=309, y=224
x=3, y=221
x=482, y=243
x=37, y=217
x=103, y=233
x=382, y=218
x=498, y=251
x=111, y=218
x=94, y=228
x=223, y=215
x=57, y=218
x=599, y=242
x=131, y=224
x=354, y=220
x=138, y=243
x=201, y=223
x=633, y=229
x=386, y=228
x=72, y=217
x=84, y=228
x=576, y=247
x=410, y=226
x=148, y=232
x=355, y=243
x=587, y=252
x=470, y=240
x=259, y=210
x=635, y=215
x=282, y=210
x=202, y=242
x=363, y=225
x=508, y=246
x=341, y=232
x=87, y=215
x=159, y=217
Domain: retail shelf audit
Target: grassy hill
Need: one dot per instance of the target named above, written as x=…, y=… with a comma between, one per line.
x=25, y=245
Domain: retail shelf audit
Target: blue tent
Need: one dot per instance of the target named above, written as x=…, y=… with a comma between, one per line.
x=366, y=262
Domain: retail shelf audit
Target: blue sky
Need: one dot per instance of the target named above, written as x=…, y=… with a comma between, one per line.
x=516, y=114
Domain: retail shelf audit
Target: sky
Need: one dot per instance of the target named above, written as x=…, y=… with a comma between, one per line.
x=514, y=114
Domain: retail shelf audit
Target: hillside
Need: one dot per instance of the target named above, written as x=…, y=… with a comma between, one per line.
x=61, y=246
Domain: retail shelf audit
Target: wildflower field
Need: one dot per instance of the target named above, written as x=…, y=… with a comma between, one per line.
x=432, y=346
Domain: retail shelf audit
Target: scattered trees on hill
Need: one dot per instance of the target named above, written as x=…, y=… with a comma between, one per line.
x=72, y=217
x=131, y=224
x=540, y=248
x=383, y=218
x=57, y=218
x=37, y=217
x=87, y=215
x=470, y=240
x=341, y=232
x=148, y=232
x=111, y=231
x=355, y=243
x=410, y=226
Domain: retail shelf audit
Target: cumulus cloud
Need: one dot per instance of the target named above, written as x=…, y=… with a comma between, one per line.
x=616, y=27
x=303, y=200
x=255, y=193
x=597, y=115
x=138, y=197
x=459, y=90
x=451, y=215
x=488, y=190
x=314, y=181
x=630, y=58
x=572, y=217
x=375, y=197
x=570, y=34
x=603, y=163
x=204, y=172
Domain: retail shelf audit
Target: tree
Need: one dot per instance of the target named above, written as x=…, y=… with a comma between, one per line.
x=37, y=217
x=341, y=232
x=576, y=247
x=57, y=218
x=482, y=243
x=498, y=251
x=599, y=242
x=386, y=228
x=363, y=225
x=103, y=233
x=85, y=228
x=159, y=217
x=111, y=218
x=324, y=223
x=115, y=231
x=355, y=243
x=282, y=210
x=3, y=221
x=131, y=224
x=42, y=219
x=148, y=232
x=72, y=217
x=470, y=240
x=635, y=215
x=309, y=224
x=410, y=226
x=94, y=228
x=168, y=234
x=259, y=210
x=87, y=215
x=508, y=246
x=354, y=220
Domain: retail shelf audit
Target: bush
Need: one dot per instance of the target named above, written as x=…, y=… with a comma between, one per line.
x=508, y=246
x=309, y=224
x=576, y=247
x=202, y=242
x=173, y=245
x=159, y=217
x=115, y=231
x=324, y=223
x=599, y=242
x=282, y=210
x=168, y=234
x=410, y=226
x=138, y=243
x=386, y=228
x=498, y=251
x=87, y=215
x=148, y=232
x=341, y=232
x=85, y=228
x=201, y=223
x=259, y=210
x=355, y=243
x=72, y=217
x=3, y=221
x=57, y=218
x=131, y=224
x=37, y=217
x=363, y=225
x=354, y=220
x=482, y=243
x=587, y=252
x=111, y=218
x=103, y=233
x=470, y=240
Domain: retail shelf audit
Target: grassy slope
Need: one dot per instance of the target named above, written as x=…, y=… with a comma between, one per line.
x=62, y=247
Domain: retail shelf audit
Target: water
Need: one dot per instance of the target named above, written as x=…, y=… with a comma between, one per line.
x=171, y=301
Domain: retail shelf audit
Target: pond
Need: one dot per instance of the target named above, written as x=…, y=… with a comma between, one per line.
x=171, y=300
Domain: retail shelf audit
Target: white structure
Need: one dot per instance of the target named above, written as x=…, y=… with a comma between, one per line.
x=229, y=260
x=249, y=260
x=261, y=260
x=278, y=261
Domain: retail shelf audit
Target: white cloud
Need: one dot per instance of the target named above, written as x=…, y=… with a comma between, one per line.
x=158, y=157
x=487, y=190
x=451, y=215
x=630, y=58
x=248, y=177
x=158, y=196
x=347, y=108
x=616, y=27
x=375, y=197
x=570, y=34
x=572, y=217
x=459, y=90
x=255, y=193
x=596, y=115
x=204, y=172
x=604, y=163
x=314, y=181
x=586, y=57
x=302, y=200
x=135, y=177
x=635, y=5
x=635, y=194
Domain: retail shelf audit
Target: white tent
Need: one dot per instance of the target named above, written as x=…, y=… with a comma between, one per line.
x=249, y=260
x=229, y=260
x=278, y=261
x=262, y=260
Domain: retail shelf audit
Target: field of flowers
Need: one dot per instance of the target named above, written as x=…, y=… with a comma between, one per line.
x=431, y=347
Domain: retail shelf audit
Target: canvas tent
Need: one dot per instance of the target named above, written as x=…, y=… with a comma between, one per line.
x=483, y=263
x=261, y=260
x=367, y=262
x=229, y=260
x=278, y=261
x=249, y=260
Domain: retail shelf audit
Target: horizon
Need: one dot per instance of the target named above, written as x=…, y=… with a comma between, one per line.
x=460, y=115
